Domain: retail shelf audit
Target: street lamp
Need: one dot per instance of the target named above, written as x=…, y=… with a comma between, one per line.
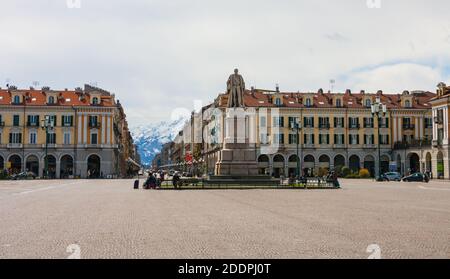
x=378, y=110
x=47, y=125
x=297, y=126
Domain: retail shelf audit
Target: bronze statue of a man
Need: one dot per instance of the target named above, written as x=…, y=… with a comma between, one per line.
x=235, y=90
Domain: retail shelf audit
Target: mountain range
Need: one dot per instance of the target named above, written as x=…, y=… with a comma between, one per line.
x=150, y=138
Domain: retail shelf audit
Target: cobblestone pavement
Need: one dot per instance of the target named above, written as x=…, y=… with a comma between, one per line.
x=108, y=219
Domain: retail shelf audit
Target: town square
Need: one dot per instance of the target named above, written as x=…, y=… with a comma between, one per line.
x=220, y=130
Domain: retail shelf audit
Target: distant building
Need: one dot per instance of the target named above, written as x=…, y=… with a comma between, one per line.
x=90, y=137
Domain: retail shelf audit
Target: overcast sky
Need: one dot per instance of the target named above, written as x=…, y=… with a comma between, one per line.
x=157, y=56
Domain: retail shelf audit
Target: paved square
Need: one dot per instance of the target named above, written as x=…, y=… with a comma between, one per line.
x=108, y=219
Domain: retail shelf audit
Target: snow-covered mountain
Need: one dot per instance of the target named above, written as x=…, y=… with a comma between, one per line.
x=150, y=138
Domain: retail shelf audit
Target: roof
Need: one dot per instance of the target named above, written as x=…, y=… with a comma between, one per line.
x=263, y=98
x=62, y=98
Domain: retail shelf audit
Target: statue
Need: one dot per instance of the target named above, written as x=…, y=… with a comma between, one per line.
x=235, y=90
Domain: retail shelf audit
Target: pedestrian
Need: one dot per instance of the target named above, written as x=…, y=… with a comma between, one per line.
x=175, y=180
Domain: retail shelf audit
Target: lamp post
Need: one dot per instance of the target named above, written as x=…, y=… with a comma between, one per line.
x=296, y=126
x=378, y=110
x=46, y=125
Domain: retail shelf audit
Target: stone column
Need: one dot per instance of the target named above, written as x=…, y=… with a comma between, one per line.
x=58, y=168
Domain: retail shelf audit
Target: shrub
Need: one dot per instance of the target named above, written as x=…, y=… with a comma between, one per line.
x=364, y=173
x=345, y=171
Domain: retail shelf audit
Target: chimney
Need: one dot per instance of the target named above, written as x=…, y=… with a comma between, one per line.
x=320, y=91
x=348, y=91
x=277, y=88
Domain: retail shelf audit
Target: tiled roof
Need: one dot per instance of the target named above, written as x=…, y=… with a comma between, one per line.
x=262, y=98
x=62, y=98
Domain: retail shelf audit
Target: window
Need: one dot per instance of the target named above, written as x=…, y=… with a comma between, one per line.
x=51, y=100
x=384, y=139
x=293, y=139
x=51, y=138
x=368, y=103
x=66, y=138
x=16, y=120
x=369, y=139
x=278, y=138
x=278, y=121
x=428, y=123
x=95, y=101
x=339, y=122
x=16, y=99
x=93, y=121
x=308, y=138
x=353, y=122
x=308, y=102
x=32, y=137
x=262, y=121
x=368, y=122
x=309, y=122
x=67, y=120
x=278, y=101
x=339, y=139
x=338, y=103
x=33, y=120
x=353, y=139
x=407, y=104
x=293, y=121
x=15, y=138
x=324, y=122
x=1, y=121
x=324, y=139
x=383, y=122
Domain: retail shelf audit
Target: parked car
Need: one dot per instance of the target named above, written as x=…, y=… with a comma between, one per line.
x=23, y=175
x=391, y=176
x=416, y=177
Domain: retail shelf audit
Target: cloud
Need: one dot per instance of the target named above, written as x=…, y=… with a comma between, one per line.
x=396, y=78
x=161, y=55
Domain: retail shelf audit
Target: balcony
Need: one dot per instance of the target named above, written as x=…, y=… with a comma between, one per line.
x=94, y=125
x=354, y=126
x=383, y=125
x=324, y=126
x=14, y=145
x=368, y=125
x=32, y=124
x=407, y=127
x=437, y=143
x=50, y=145
x=438, y=120
x=308, y=126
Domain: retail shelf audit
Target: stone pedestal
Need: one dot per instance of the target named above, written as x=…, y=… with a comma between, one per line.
x=238, y=156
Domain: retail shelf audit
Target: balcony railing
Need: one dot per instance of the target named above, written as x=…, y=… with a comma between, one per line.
x=438, y=120
x=324, y=126
x=309, y=126
x=339, y=145
x=383, y=125
x=437, y=143
x=14, y=145
x=94, y=125
x=354, y=126
x=32, y=124
x=409, y=127
x=412, y=144
x=368, y=125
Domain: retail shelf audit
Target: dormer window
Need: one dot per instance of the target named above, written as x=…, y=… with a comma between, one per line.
x=51, y=100
x=16, y=99
x=368, y=103
x=407, y=104
x=278, y=101
x=95, y=101
x=308, y=102
x=338, y=103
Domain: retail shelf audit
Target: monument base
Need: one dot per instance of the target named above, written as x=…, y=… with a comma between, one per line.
x=237, y=159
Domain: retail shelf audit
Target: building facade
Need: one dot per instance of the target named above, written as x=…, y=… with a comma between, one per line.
x=81, y=140
x=335, y=130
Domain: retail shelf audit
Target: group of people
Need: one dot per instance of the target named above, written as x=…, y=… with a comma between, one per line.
x=155, y=180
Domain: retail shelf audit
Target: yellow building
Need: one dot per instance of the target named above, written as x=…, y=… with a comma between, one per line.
x=80, y=139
